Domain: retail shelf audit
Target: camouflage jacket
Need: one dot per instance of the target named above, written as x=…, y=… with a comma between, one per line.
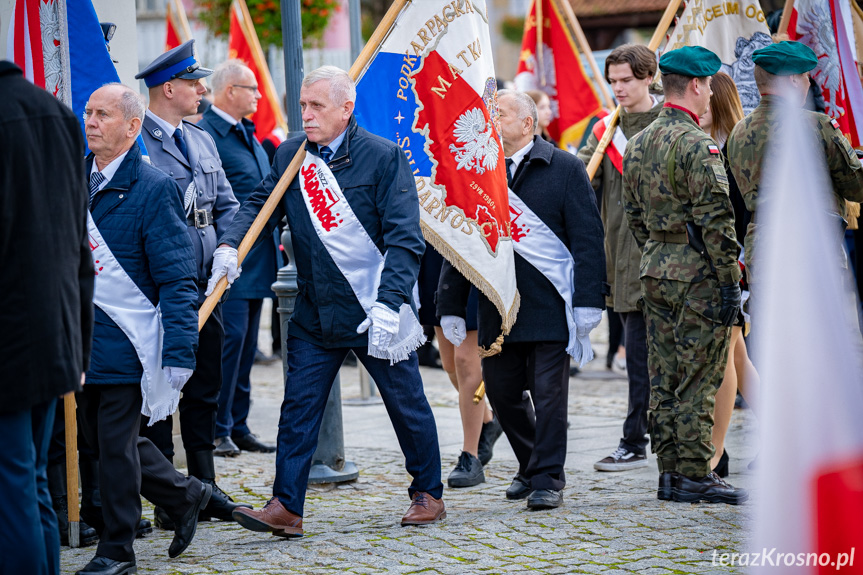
x=622, y=254
x=672, y=175
x=748, y=146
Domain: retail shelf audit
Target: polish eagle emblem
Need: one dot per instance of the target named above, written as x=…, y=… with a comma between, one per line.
x=816, y=27
x=480, y=150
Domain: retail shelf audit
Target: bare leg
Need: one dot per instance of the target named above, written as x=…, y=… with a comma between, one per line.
x=447, y=355
x=747, y=377
x=725, y=397
x=467, y=367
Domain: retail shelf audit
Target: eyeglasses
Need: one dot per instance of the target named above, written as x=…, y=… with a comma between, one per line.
x=252, y=88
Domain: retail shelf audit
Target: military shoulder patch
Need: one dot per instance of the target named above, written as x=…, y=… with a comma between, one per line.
x=835, y=123
x=713, y=149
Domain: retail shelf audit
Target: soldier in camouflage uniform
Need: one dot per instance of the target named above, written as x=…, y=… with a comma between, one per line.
x=677, y=206
x=783, y=69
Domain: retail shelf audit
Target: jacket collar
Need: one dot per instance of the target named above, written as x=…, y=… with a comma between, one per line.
x=342, y=156
x=167, y=140
x=222, y=127
x=126, y=175
x=540, y=153
x=7, y=67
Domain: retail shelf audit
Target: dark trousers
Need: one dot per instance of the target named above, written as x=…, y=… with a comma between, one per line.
x=200, y=400
x=311, y=370
x=543, y=369
x=241, y=318
x=635, y=425
x=29, y=539
x=616, y=334
x=129, y=466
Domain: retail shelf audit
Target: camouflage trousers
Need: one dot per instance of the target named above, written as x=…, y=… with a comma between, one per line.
x=687, y=349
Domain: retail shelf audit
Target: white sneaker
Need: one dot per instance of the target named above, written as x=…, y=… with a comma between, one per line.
x=621, y=460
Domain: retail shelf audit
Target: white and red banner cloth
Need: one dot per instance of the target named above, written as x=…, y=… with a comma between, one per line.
x=731, y=30
x=809, y=353
x=431, y=89
x=617, y=145
x=354, y=253
x=124, y=302
x=827, y=27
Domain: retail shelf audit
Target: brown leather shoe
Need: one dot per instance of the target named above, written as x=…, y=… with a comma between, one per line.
x=424, y=509
x=272, y=518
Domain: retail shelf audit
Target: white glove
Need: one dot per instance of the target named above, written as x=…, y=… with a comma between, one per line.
x=177, y=376
x=586, y=320
x=224, y=263
x=454, y=329
x=384, y=324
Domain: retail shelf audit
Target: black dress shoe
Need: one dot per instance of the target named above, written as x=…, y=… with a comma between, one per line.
x=666, y=484
x=711, y=489
x=250, y=442
x=721, y=468
x=220, y=506
x=225, y=447
x=488, y=436
x=519, y=489
x=100, y=565
x=188, y=524
x=144, y=527
x=544, y=499
x=467, y=473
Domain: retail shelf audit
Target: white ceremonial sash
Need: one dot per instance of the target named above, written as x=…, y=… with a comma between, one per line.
x=535, y=242
x=124, y=302
x=354, y=252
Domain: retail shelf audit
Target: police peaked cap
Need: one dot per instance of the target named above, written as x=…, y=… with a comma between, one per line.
x=692, y=61
x=177, y=62
x=785, y=58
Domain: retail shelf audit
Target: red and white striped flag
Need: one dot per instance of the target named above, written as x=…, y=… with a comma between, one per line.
x=178, y=30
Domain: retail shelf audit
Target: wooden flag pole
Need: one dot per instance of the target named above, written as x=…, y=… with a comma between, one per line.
x=578, y=32
x=261, y=63
x=269, y=206
x=71, y=468
x=786, y=18
x=540, y=26
x=184, y=22
x=655, y=41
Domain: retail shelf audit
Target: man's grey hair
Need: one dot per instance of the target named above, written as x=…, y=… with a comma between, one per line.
x=131, y=103
x=227, y=73
x=342, y=87
x=524, y=104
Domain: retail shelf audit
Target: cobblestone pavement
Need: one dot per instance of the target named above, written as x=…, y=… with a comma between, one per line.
x=610, y=522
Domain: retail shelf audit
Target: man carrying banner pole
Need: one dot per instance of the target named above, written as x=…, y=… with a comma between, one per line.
x=354, y=218
x=629, y=69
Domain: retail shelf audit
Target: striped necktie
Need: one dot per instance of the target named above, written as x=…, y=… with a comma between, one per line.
x=326, y=154
x=96, y=179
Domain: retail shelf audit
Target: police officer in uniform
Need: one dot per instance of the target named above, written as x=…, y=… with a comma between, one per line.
x=188, y=154
x=677, y=206
x=781, y=72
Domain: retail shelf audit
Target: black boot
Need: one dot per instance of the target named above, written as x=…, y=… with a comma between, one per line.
x=57, y=488
x=220, y=506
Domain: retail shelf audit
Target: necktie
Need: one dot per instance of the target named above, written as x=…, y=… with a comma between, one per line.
x=96, y=179
x=181, y=143
x=508, y=162
x=243, y=133
x=326, y=154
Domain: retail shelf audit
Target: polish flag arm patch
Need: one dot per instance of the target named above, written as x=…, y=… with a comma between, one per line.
x=713, y=149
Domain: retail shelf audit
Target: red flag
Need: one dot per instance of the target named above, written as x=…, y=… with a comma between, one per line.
x=244, y=45
x=177, y=25
x=553, y=66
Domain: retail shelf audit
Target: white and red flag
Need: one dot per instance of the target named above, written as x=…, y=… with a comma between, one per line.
x=243, y=44
x=809, y=354
x=177, y=24
x=550, y=62
x=827, y=27
x=431, y=88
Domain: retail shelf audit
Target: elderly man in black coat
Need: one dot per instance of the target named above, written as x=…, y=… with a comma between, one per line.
x=46, y=310
x=554, y=186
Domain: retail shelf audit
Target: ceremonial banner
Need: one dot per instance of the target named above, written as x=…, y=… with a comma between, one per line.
x=243, y=44
x=553, y=66
x=732, y=29
x=827, y=27
x=60, y=47
x=809, y=353
x=431, y=89
x=178, y=30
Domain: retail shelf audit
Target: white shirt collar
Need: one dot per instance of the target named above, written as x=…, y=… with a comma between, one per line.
x=109, y=170
x=225, y=116
x=166, y=127
x=519, y=156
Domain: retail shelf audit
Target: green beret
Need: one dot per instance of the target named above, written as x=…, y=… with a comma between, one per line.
x=785, y=58
x=692, y=61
